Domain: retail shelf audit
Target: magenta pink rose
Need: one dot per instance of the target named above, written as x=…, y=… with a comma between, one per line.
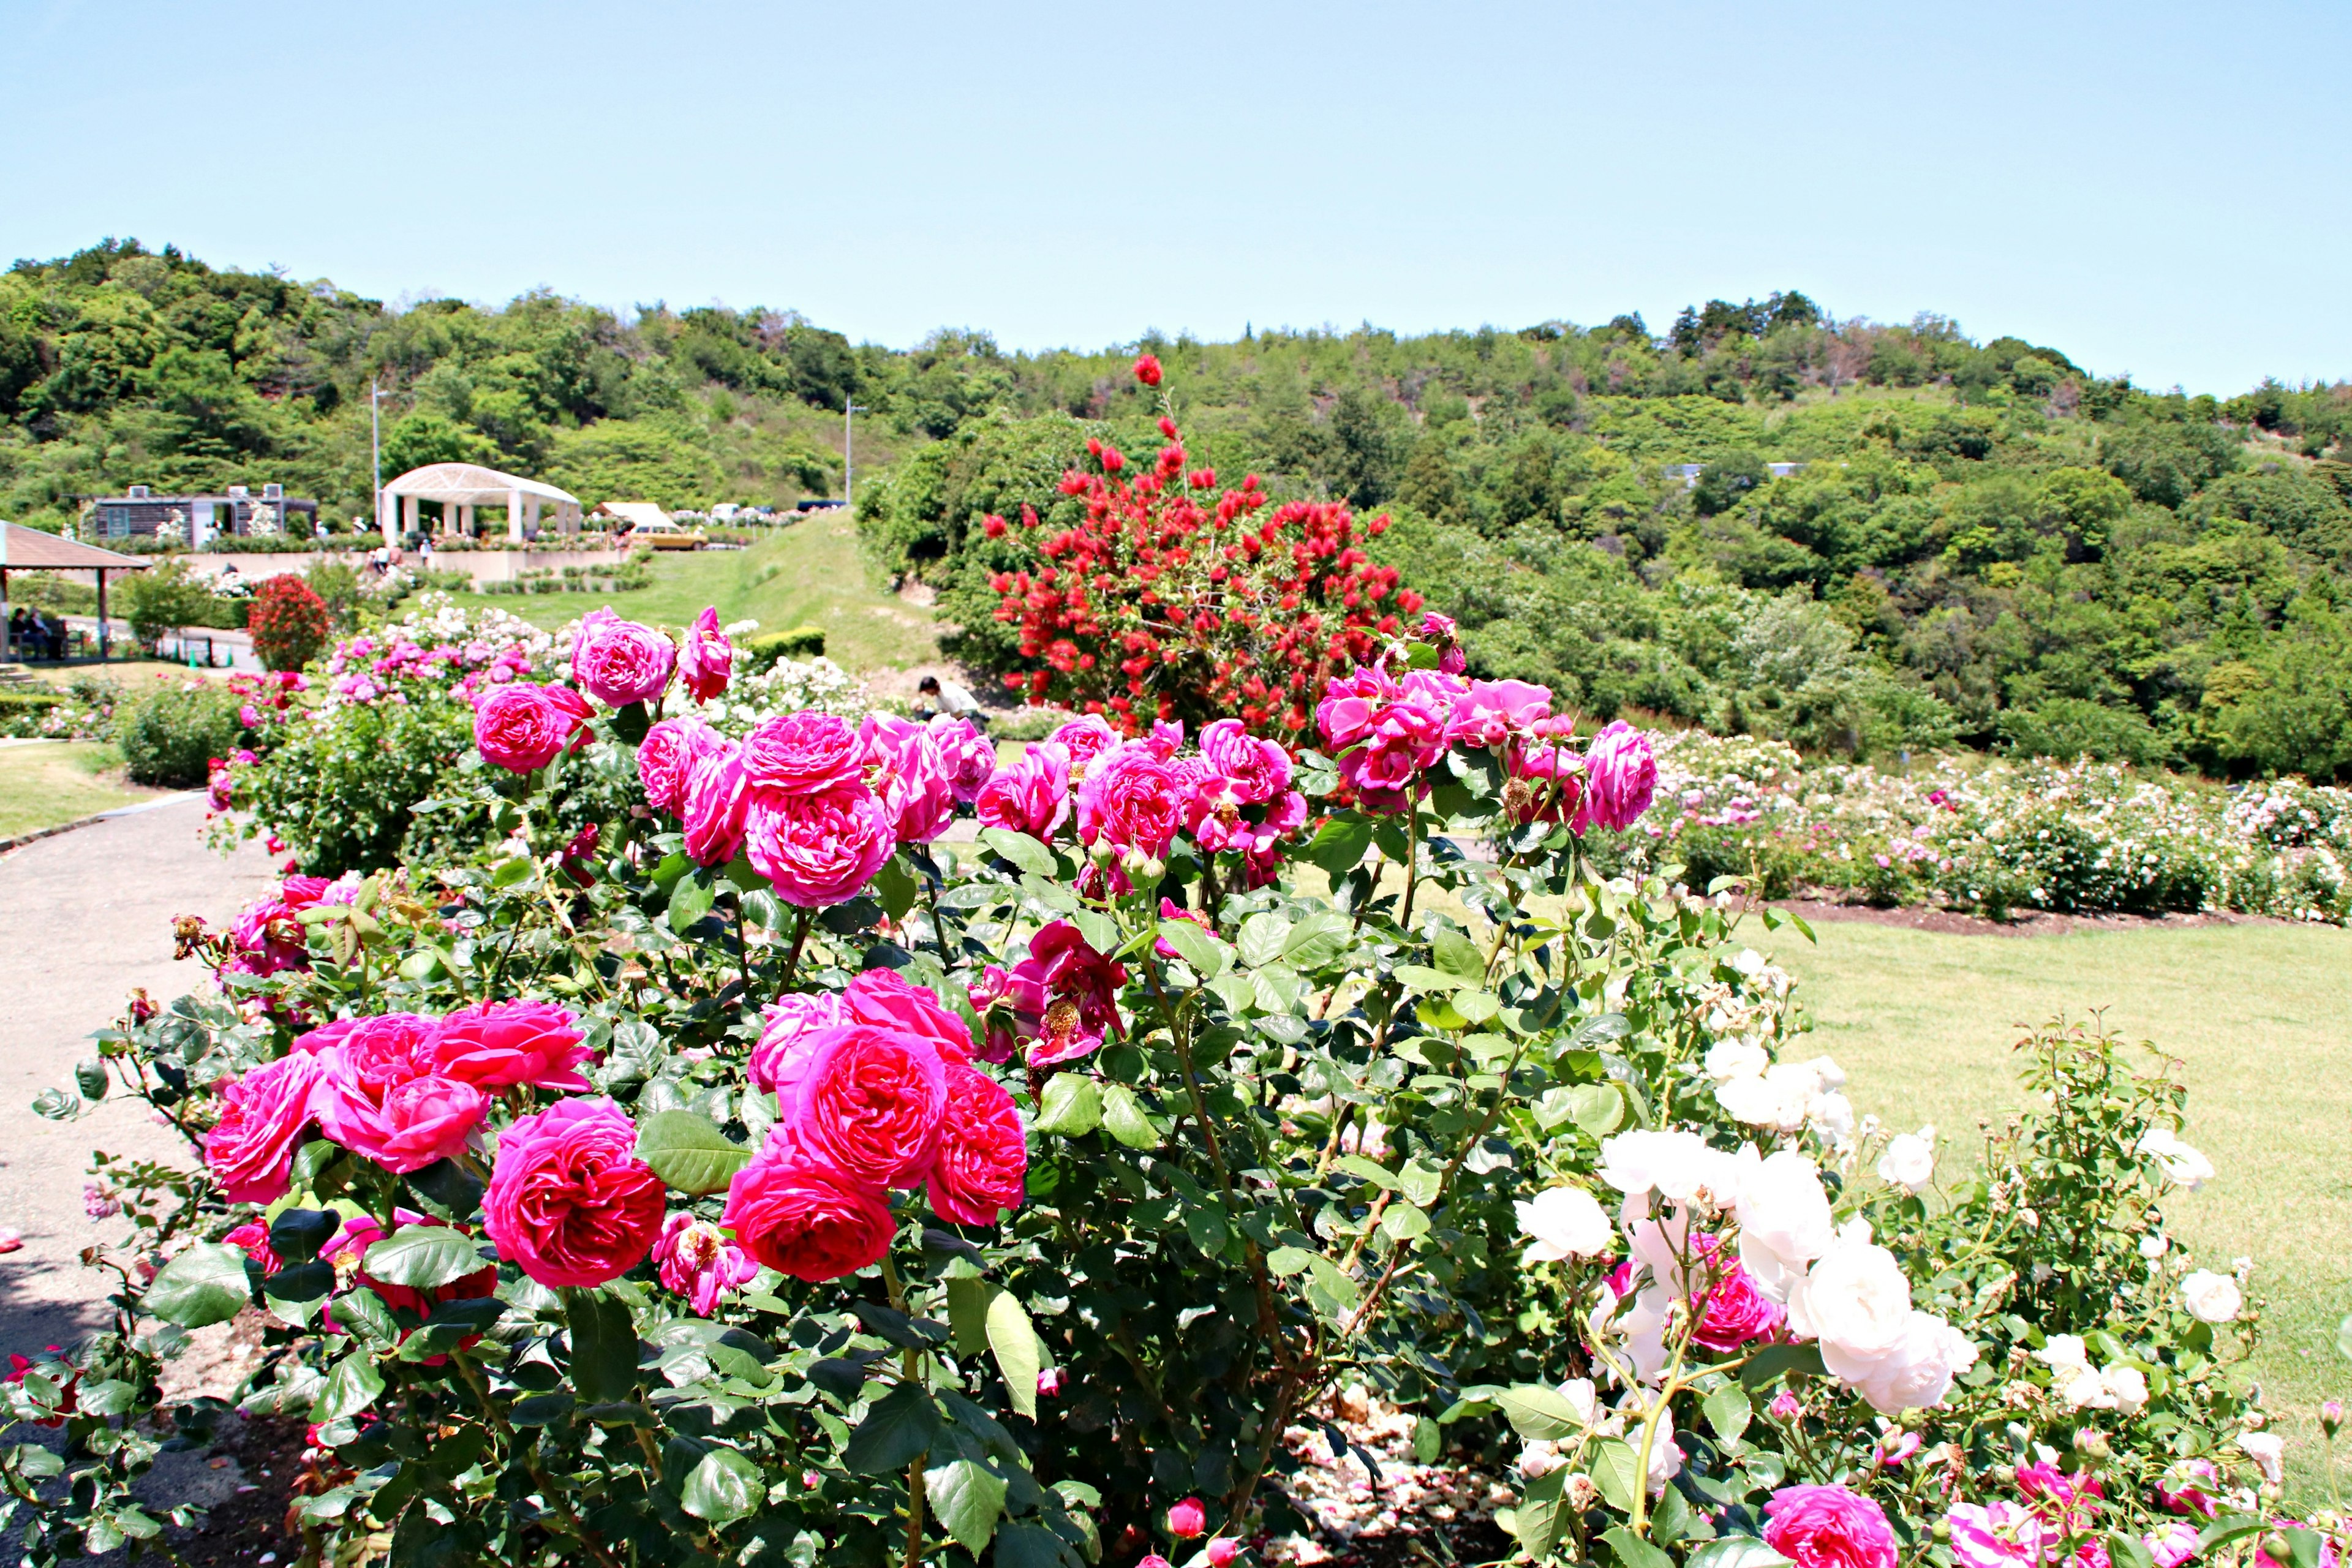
x=909, y=775
x=1032, y=795
x=1256, y=770
x=569, y=1201
x=502, y=1045
x=1439, y=631
x=667, y=757
x=1084, y=739
x=1622, y=775
x=1381, y=735
x=803, y=754
x=881, y=998
x=332, y=1033
x=1828, y=1527
x=1492, y=711
x=522, y=727
x=785, y=1047
x=716, y=808
x=250, y=1150
x=619, y=662
x=380, y=1096
x=982, y=1162
x=695, y=1259
x=1734, y=1312
x=1064, y=996
x=868, y=1104
x=706, y=660
x=1133, y=799
x=967, y=756
x=803, y=1218
x=1552, y=773
x=818, y=850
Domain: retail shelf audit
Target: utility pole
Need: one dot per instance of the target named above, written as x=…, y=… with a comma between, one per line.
x=375, y=446
x=849, y=412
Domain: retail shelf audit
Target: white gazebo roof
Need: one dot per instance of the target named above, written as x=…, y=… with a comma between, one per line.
x=470, y=484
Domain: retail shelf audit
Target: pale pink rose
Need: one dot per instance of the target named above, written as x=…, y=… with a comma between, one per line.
x=619, y=662
x=706, y=660
x=569, y=1201
x=522, y=727
x=1133, y=799
x=1032, y=795
x=791, y=1023
x=967, y=756
x=1254, y=770
x=718, y=800
x=666, y=758
x=250, y=1150
x=803, y=754
x=1083, y=739
x=818, y=850
x=1622, y=776
x=1492, y=711
x=909, y=775
x=695, y=1259
x=1829, y=1527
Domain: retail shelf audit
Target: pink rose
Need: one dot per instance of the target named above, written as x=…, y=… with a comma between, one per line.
x=716, y=808
x=784, y=1052
x=1032, y=795
x=1256, y=770
x=380, y=1096
x=1222, y=1549
x=1064, y=996
x=250, y=1150
x=805, y=1218
x=967, y=756
x=1187, y=1519
x=803, y=754
x=881, y=998
x=818, y=850
x=2193, y=1494
x=1439, y=631
x=1492, y=711
x=501, y=1045
x=1735, y=1312
x=1170, y=910
x=868, y=1104
x=2172, y=1544
x=1553, y=775
x=698, y=1261
x=331, y=1033
x=909, y=775
x=1622, y=776
x=619, y=662
x=569, y=1200
x=252, y=1238
x=668, y=756
x=522, y=727
x=984, y=1155
x=1828, y=1527
x=1133, y=799
x=1381, y=735
x=1989, y=1535
x=706, y=660
x=1084, y=739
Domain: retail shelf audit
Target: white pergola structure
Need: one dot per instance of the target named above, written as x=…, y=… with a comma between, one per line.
x=462, y=487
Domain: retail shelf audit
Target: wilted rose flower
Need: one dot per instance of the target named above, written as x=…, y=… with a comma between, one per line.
x=619, y=662
x=706, y=660
x=695, y=1259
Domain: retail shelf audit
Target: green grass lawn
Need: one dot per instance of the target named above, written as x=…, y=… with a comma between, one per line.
x=45, y=783
x=811, y=573
x=2261, y=1016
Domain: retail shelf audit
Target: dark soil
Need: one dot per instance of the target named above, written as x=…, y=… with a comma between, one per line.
x=252, y=1523
x=2024, y=922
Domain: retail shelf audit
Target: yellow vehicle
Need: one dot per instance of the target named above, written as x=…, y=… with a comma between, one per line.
x=666, y=536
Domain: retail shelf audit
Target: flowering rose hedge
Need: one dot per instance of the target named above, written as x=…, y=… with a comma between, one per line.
x=761, y=1177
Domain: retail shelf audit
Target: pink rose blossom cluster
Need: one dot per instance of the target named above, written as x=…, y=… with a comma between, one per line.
x=876, y=1089
x=269, y=937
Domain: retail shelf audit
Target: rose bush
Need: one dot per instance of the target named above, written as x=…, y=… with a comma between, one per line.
x=762, y=1176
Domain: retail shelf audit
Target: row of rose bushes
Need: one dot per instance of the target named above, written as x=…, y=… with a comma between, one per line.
x=1995, y=836
x=746, y=1173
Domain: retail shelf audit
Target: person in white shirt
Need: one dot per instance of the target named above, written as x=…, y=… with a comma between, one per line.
x=934, y=695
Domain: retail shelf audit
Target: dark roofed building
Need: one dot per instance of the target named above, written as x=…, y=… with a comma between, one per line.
x=142, y=514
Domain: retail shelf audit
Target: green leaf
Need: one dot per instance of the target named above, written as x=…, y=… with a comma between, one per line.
x=206, y=1284
x=724, y=1487
x=2125, y=1550
x=1123, y=1118
x=1261, y=937
x=1022, y=851
x=895, y=886
x=1316, y=940
x=1019, y=1355
x=1101, y=932
x=603, y=1345
x=1285, y=1261
x=1421, y=977
x=1537, y=1521
x=89, y=1077
x=2227, y=1528
x=689, y=1151
x=1614, y=1472
x=1073, y=1106
x=1597, y=1108
x=1476, y=1007
x=968, y=1299
x=1733, y=1552
x=1774, y=1363
x=1024, y=1543
x=897, y=1431
x=1539, y=1414
x=1341, y=845
x=352, y=1385
x=425, y=1256
x=1419, y=1182
x=1729, y=1412
x=1458, y=955
x=690, y=900
x=1632, y=1551
x=968, y=1501
x=1371, y=1171
x=1403, y=1222
x=1205, y=953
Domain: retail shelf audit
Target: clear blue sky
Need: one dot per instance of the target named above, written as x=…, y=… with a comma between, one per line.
x=2152, y=187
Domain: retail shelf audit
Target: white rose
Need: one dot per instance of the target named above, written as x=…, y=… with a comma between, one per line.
x=1757, y=1100
x=1827, y=1072
x=1910, y=1160
x=2265, y=1448
x=1916, y=1373
x=1678, y=1166
x=2182, y=1165
x=2082, y=1388
x=2212, y=1297
x=1784, y=1221
x=1855, y=1300
x=1564, y=1222
x=1729, y=1059
x=1830, y=1116
x=2064, y=1353
x=1640, y=1322
x=2152, y=1246
x=2126, y=1388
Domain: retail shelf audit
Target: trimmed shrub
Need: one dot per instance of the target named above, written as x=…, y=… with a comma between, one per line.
x=173, y=735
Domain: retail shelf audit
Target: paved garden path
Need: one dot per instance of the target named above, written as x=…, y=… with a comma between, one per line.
x=84, y=917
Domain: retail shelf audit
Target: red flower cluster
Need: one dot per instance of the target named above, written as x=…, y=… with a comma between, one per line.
x=1172, y=599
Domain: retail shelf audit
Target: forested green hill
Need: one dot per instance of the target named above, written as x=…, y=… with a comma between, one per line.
x=1984, y=542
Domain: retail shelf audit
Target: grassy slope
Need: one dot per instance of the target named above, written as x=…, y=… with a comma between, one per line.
x=2260, y=1015
x=810, y=574
x=42, y=785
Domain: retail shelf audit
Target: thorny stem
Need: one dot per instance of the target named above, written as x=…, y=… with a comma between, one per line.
x=1412, y=862
x=800, y=938
x=743, y=946
x=910, y=1369
x=569, y=1522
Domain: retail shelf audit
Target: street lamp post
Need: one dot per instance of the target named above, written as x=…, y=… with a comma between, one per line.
x=375, y=448
x=849, y=414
